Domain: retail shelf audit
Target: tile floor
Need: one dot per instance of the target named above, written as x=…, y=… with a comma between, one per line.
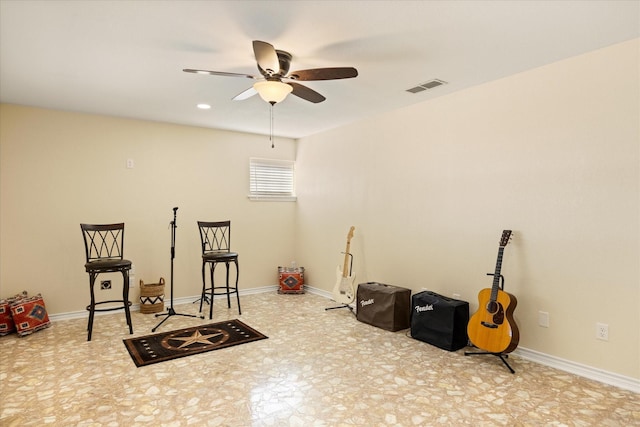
x=317, y=368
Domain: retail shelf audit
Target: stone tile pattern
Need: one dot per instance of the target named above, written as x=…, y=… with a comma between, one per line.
x=318, y=368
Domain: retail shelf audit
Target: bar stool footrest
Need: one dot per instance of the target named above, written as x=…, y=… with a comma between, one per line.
x=109, y=308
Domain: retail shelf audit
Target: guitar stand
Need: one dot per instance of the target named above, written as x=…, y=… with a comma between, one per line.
x=502, y=356
x=341, y=306
x=347, y=306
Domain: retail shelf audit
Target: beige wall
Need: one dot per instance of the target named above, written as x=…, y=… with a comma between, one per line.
x=551, y=153
x=61, y=169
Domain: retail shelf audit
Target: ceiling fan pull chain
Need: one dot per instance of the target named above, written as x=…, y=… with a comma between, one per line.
x=271, y=125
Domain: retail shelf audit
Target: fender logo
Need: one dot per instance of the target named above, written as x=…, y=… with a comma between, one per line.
x=428, y=307
x=367, y=302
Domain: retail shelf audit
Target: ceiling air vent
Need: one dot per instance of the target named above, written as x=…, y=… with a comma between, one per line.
x=431, y=84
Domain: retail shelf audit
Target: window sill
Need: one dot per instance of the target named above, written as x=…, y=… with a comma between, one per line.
x=273, y=198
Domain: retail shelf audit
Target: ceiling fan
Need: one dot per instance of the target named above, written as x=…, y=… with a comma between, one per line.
x=275, y=81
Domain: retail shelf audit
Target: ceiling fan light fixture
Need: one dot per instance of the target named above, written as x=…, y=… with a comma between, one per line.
x=272, y=91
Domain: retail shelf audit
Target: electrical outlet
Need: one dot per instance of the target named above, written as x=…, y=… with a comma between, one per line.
x=602, y=331
x=543, y=319
x=105, y=284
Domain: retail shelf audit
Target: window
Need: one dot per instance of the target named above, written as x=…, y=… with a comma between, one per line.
x=271, y=179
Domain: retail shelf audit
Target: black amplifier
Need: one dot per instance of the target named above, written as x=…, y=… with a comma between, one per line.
x=440, y=321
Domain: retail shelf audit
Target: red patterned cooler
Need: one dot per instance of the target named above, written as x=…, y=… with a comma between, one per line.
x=291, y=280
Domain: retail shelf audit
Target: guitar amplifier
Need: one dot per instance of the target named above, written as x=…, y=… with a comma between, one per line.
x=384, y=306
x=440, y=321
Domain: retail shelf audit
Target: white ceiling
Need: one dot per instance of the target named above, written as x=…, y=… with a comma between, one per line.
x=125, y=58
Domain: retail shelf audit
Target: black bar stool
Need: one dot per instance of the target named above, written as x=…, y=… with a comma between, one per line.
x=215, y=238
x=104, y=245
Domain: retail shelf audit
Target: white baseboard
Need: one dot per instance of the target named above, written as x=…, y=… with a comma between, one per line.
x=319, y=292
x=596, y=374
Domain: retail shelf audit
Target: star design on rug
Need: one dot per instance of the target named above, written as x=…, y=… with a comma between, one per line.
x=196, y=338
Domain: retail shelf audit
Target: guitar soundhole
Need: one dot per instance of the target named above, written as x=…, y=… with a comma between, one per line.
x=493, y=307
x=496, y=311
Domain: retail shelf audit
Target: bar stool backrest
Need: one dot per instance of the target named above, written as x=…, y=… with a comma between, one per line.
x=215, y=236
x=103, y=241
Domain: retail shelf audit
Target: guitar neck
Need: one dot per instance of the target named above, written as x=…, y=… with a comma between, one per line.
x=345, y=266
x=496, y=275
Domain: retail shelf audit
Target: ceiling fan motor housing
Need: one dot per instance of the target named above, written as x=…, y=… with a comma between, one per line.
x=284, y=58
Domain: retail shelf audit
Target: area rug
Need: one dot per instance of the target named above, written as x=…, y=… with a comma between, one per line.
x=186, y=342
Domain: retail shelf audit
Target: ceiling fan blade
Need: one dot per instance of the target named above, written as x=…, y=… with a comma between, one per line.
x=306, y=93
x=245, y=94
x=324, y=74
x=266, y=57
x=219, y=73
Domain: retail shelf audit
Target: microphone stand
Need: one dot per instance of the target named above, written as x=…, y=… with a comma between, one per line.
x=170, y=311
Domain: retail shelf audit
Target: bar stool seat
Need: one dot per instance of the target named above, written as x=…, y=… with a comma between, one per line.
x=219, y=256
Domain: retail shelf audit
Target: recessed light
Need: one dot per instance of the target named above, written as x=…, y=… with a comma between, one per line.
x=204, y=106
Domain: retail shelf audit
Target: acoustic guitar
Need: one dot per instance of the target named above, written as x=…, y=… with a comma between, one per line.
x=492, y=327
x=344, y=291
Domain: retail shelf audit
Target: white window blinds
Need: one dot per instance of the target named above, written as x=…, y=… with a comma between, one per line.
x=271, y=179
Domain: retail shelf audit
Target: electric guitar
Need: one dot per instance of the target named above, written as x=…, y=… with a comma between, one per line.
x=343, y=291
x=492, y=327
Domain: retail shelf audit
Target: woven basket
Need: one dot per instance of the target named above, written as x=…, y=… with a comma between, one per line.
x=151, y=297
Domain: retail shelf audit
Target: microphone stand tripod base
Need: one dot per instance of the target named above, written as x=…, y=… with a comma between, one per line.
x=171, y=312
